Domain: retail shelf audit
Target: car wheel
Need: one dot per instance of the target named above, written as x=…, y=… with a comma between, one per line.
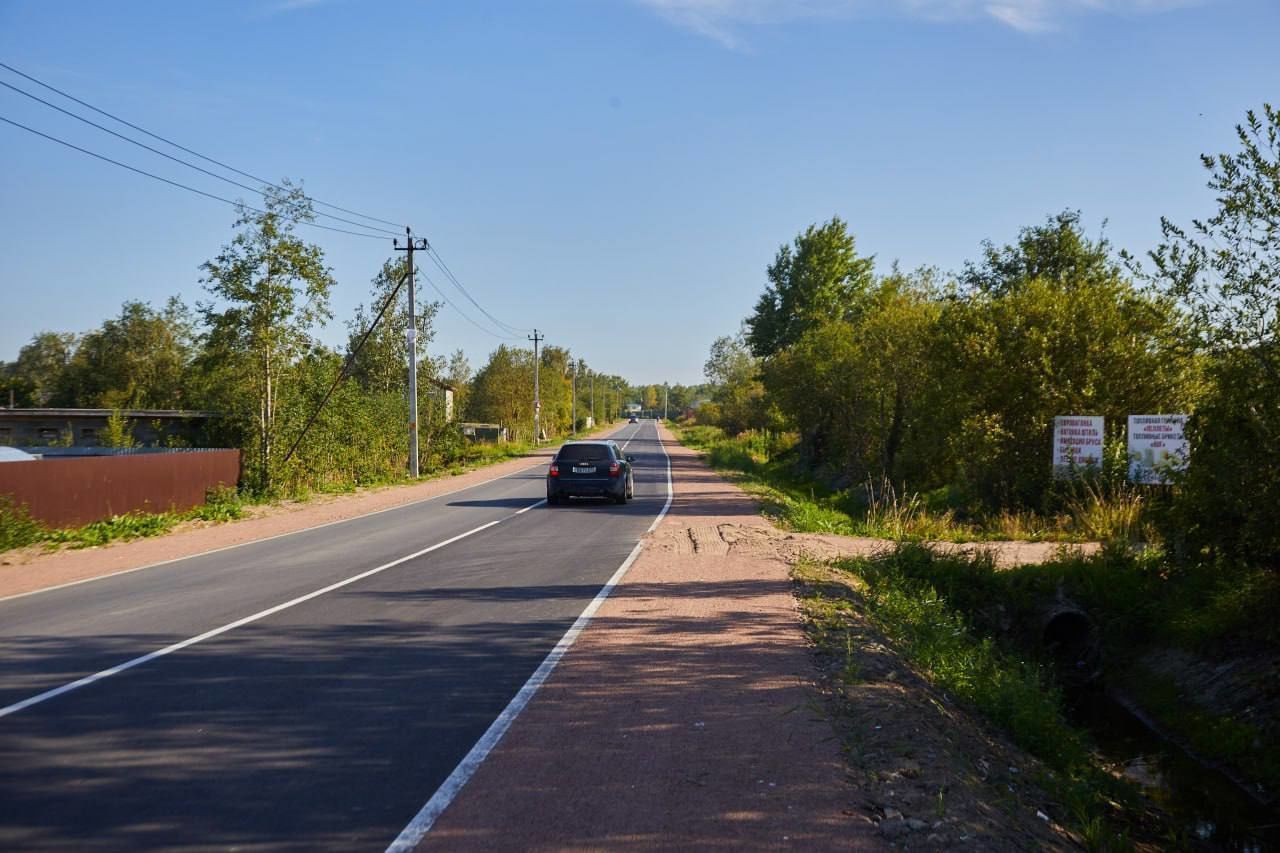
x=553, y=500
x=631, y=487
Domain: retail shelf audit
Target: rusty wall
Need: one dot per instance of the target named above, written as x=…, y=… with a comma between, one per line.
x=78, y=490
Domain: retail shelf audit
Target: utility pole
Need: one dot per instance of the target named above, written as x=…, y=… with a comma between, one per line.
x=665, y=391
x=593, y=398
x=537, y=401
x=574, y=409
x=411, y=338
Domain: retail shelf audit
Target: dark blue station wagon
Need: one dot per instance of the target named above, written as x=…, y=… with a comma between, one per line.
x=595, y=469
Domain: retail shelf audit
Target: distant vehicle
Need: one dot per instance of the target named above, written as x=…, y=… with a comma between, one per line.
x=633, y=420
x=597, y=469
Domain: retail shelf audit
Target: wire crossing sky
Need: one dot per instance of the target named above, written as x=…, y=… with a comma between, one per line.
x=619, y=173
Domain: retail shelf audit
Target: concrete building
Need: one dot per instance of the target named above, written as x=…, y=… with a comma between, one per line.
x=86, y=427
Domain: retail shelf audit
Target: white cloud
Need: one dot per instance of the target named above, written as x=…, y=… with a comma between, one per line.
x=722, y=20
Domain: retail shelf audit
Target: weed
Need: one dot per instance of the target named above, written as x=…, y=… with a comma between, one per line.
x=1111, y=513
x=17, y=528
x=222, y=503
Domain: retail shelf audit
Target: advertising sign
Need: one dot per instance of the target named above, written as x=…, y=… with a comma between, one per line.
x=1157, y=447
x=1077, y=443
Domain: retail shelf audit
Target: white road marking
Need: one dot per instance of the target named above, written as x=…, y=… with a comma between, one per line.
x=230, y=626
x=452, y=786
x=275, y=536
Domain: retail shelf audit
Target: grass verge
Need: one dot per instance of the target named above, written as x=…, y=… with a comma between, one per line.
x=762, y=466
x=1216, y=615
x=1011, y=692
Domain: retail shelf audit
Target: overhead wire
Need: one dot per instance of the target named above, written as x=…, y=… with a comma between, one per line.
x=464, y=314
x=178, y=184
x=512, y=331
x=439, y=262
x=190, y=151
x=201, y=169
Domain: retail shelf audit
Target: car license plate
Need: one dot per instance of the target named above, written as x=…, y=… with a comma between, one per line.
x=588, y=469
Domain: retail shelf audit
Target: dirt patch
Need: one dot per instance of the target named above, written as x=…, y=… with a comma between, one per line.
x=753, y=539
x=29, y=569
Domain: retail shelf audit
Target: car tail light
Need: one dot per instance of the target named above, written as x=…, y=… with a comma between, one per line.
x=615, y=468
x=554, y=471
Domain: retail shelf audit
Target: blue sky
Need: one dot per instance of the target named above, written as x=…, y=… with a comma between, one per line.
x=635, y=159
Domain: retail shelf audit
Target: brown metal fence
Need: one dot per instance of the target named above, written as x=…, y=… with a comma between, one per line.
x=77, y=490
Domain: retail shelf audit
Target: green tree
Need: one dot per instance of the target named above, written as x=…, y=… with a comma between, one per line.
x=737, y=392
x=383, y=363
x=652, y=396
x=270, y=290
x=1058, y=252
x=139, y=359
x=119, y=431
x=857, y=390
x=458, y=374
x=502, y=391
x=1018, y=351
x=1225, y=271
x=39, y=374
x=818, y=279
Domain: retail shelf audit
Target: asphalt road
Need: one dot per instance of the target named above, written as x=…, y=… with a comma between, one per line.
x=323, y=724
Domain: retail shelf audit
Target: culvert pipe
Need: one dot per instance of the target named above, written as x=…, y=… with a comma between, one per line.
x=1070, y=637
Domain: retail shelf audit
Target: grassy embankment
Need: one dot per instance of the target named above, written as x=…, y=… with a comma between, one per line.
x=18, y=529
x=951, y=616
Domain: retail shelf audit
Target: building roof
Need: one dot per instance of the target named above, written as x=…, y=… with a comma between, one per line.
x=133, y=414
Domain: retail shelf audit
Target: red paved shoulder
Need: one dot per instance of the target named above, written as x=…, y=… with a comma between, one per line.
x=684, y=717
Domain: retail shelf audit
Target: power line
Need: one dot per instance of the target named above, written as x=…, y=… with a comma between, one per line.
x=464, y=314
x=207, y=159
x=177, y=184
x=178, y=159
x=439, y=262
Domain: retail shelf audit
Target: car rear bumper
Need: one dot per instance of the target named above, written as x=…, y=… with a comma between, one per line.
x=586, y=488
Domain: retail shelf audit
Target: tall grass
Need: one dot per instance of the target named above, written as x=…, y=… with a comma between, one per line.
x=1111, y=512
x=1013, y=692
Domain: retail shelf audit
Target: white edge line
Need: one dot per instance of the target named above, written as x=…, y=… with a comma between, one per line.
x=261, y=614
x=426, y=817
x=269, y=538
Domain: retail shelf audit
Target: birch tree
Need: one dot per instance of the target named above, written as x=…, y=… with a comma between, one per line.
x=270, y=288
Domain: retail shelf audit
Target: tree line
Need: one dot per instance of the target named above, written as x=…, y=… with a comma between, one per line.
x=249, y=353
x=950, y=383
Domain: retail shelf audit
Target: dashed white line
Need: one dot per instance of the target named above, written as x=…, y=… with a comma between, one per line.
x=275, y=536
x=231, y=626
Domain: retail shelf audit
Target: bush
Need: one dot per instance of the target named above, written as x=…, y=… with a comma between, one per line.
x=17, y=527
x=221, y=503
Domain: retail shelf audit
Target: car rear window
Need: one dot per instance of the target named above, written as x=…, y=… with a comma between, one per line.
x=580, y=452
